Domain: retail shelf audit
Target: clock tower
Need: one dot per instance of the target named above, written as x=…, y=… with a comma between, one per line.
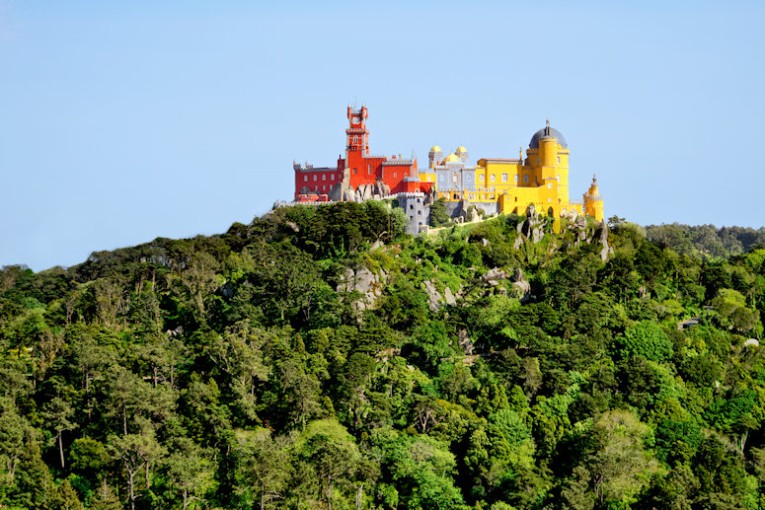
x=357, y=147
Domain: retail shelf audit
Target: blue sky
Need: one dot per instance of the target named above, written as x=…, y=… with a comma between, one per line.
x=124, y=121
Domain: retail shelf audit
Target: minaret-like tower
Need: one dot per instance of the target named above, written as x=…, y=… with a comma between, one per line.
x=462, y=152
x=434, y=156
x=593, y=203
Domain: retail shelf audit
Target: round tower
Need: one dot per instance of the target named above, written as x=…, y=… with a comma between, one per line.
x=548, y=146
x=593, y=203
x=434, y=156
x=462, y=152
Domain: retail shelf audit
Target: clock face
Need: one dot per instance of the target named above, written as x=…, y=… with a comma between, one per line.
x=355, y=120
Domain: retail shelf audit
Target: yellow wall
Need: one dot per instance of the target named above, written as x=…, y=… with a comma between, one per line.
x=541, y=179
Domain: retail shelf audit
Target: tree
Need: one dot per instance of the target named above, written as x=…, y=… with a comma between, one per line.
x=438, y=215
x=189, y=471
x=14, y=430
x=646, y=339
x=135, y=452
x=59, y=412
x=330, y=450
x=619, y=464
x=262, y=464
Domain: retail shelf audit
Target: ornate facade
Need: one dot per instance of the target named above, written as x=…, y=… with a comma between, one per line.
x=510, y=185
x=359, y=175
x=496, y=185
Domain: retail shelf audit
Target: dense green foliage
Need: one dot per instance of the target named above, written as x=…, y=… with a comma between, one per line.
x=320, y=358
x=706, y=240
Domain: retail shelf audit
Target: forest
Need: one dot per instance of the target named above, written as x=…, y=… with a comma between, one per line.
x=320, y=358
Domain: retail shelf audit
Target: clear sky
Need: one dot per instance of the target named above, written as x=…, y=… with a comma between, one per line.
x=124, y=121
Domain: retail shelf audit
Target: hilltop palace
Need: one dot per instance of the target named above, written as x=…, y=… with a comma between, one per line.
x=496, y=185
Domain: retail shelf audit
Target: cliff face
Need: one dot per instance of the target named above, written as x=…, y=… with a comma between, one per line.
x=321, y=356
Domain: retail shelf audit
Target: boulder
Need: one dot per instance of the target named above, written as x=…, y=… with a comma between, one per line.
x=605, y=250
x=521, y=285
x=364, y=282
x=533, y=226
x=494, y=276
x=434, y=297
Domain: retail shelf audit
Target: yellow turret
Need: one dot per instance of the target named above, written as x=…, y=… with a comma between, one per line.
x=593, y=203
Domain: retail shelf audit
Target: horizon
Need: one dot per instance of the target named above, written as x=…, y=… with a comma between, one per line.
x=126, y=123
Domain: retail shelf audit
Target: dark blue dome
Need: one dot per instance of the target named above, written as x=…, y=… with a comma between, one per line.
x=547, y=131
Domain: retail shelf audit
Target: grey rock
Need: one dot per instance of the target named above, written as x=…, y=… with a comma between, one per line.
x=449, y=297
x=364, y=282
x=494, y=276
x=434, y=298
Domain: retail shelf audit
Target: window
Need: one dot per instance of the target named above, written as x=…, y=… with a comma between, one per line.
x=305, y=178
x=411, y=206
x=526, y=179
x=515, y=178
x=314, y=178
x=504, y=177
x=323, y=177
x=480, y=177
x=491, y=178
x=549, y=185
x=332, y=177
x=419, y=212
x=395, y=175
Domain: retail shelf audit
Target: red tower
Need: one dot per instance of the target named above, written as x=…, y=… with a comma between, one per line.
x=358, y=175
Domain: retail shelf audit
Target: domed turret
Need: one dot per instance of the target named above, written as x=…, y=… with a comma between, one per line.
x=434, y=156
x=547, y=132
x=462, y=153
x=593, y=204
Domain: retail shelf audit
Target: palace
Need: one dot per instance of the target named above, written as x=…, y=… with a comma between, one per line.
x=358, y=176
x=507, y=185
x=496, y=185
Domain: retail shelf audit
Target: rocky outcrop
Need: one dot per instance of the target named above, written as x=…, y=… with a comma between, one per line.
x=364, y=192
x=531, y=228
x=578, y=226
x=366, y=284
x=435, y=299
x=494, y=276
x=605, y=250
x=469, y=215
x=465, y=343
x=521, y=286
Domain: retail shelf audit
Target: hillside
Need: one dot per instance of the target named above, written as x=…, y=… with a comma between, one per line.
x=321, y=358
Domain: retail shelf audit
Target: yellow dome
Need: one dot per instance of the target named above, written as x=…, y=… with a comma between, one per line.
x=452, y=158
x=461, y=149
x=435, y=148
